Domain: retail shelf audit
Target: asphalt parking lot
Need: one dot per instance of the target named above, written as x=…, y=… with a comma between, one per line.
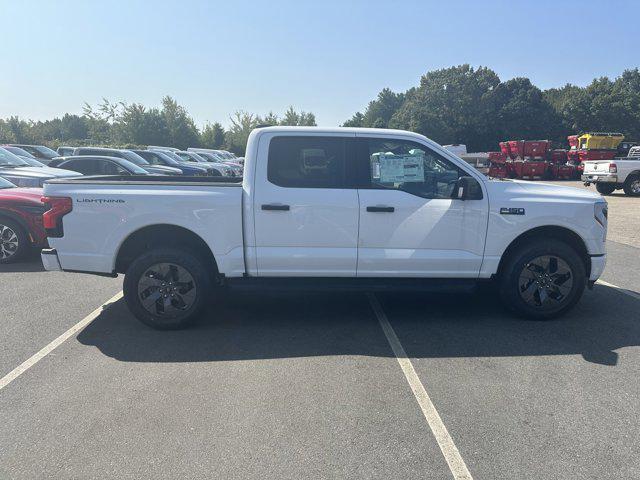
x=310, y=386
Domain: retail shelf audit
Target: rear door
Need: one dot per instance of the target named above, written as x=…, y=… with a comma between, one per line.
x=306, y=216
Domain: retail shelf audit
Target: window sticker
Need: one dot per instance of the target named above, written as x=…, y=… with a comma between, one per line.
x=401, y=168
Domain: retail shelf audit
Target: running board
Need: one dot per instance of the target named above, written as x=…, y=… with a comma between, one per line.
x=351, y=284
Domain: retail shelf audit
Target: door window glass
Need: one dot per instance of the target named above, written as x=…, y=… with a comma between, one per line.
x=412, y=168
x=307, y=162
x=111, y=168
x=86, y=167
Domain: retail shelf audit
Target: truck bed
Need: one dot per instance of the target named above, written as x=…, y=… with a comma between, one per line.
x=109, y=210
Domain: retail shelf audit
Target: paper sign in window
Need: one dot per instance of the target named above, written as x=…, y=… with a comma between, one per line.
x=401, y=168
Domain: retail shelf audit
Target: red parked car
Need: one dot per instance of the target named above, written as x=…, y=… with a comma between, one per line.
x=21, y=226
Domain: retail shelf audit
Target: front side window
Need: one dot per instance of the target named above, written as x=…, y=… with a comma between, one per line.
x=111, y=168
x=307, y=162
x=150, y=157
x=412, y=168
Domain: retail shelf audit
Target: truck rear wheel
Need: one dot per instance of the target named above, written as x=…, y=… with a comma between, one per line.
x=166, y=288
x=542, y=280
x=632, y=185
x=605, y=188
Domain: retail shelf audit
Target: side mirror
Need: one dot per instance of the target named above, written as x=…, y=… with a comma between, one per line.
x=468, y=189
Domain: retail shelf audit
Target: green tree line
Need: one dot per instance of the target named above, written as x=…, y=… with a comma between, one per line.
x=459, y=104
x=123, y=124
x=473, y=106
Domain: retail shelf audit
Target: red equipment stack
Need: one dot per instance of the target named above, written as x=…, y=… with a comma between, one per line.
x=558, y=166
x=530, y=159
x=498, y=164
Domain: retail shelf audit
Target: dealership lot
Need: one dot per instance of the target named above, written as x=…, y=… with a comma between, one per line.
x=308, y=385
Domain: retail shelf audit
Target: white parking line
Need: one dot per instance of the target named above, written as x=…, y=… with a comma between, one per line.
x=30, y=362
x=445, y=442
x=620, y=289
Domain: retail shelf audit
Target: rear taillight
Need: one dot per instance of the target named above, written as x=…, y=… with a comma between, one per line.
x=613, y=168
x=57, y=207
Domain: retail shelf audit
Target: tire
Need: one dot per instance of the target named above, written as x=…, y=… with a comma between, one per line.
x=545, y=295
x=632, y=185
x=14, y=241
x=605, y=188
x=172, y=274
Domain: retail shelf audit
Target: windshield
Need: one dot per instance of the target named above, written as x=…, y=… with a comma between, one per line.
x=133, y=168
x=4, y=183
x=134, y=157
x=218, y=157
x=190, y=157
x=32, y=162
x=46, y=151
x=9, y=159
x=18, y=151
x=211, y=157
x=168, y=159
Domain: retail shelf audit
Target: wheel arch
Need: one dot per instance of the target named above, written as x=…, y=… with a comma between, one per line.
x=163, y=235
x=18, y=219
x=564, y=234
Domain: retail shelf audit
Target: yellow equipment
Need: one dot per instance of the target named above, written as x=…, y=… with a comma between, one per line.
x=599, y=140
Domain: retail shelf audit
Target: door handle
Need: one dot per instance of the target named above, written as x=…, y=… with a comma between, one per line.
x=381, y=208
x=272, y=206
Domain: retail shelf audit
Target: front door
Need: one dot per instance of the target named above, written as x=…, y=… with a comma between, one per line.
x=306, y=219
x=411, y=224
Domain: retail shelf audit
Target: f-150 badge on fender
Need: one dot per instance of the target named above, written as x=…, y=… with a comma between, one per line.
x=511, y=211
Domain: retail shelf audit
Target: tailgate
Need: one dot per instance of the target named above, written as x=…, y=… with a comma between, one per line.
x=597, y=167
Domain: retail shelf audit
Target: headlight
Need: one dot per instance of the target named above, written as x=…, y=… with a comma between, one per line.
x=601, y=213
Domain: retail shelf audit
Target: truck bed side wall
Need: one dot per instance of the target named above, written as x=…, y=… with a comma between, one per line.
x=211, y=212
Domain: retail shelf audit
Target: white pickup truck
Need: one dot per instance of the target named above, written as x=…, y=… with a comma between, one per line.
x=611, y=175
x=338, y=208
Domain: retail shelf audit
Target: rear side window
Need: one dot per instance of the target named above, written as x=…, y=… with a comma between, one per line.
x=86, y=167
x=307, y=162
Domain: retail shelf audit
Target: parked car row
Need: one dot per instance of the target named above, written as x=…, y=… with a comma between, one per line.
x=25, y=168
x=24, y=171
x=31, y=165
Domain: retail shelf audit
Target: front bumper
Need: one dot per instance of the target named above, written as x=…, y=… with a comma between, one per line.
x=50, y=260
x=596, y=178
x=597, y=267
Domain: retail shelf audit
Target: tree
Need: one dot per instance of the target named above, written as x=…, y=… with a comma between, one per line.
x=6, y=134
x=238, y=133
x=73, y=127
x=212, y=136
x=138, y=126
x=379, y=111
x=356, y=121
x=521, y=111
x=293, y=118
x=451, y=105
x=181, y=129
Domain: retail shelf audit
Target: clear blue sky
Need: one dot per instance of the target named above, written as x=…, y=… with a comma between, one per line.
x=328, y=57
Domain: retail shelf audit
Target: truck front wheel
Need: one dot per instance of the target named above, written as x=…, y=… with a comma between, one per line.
x=605, y=188
x=166, y=288
x=542, y=280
